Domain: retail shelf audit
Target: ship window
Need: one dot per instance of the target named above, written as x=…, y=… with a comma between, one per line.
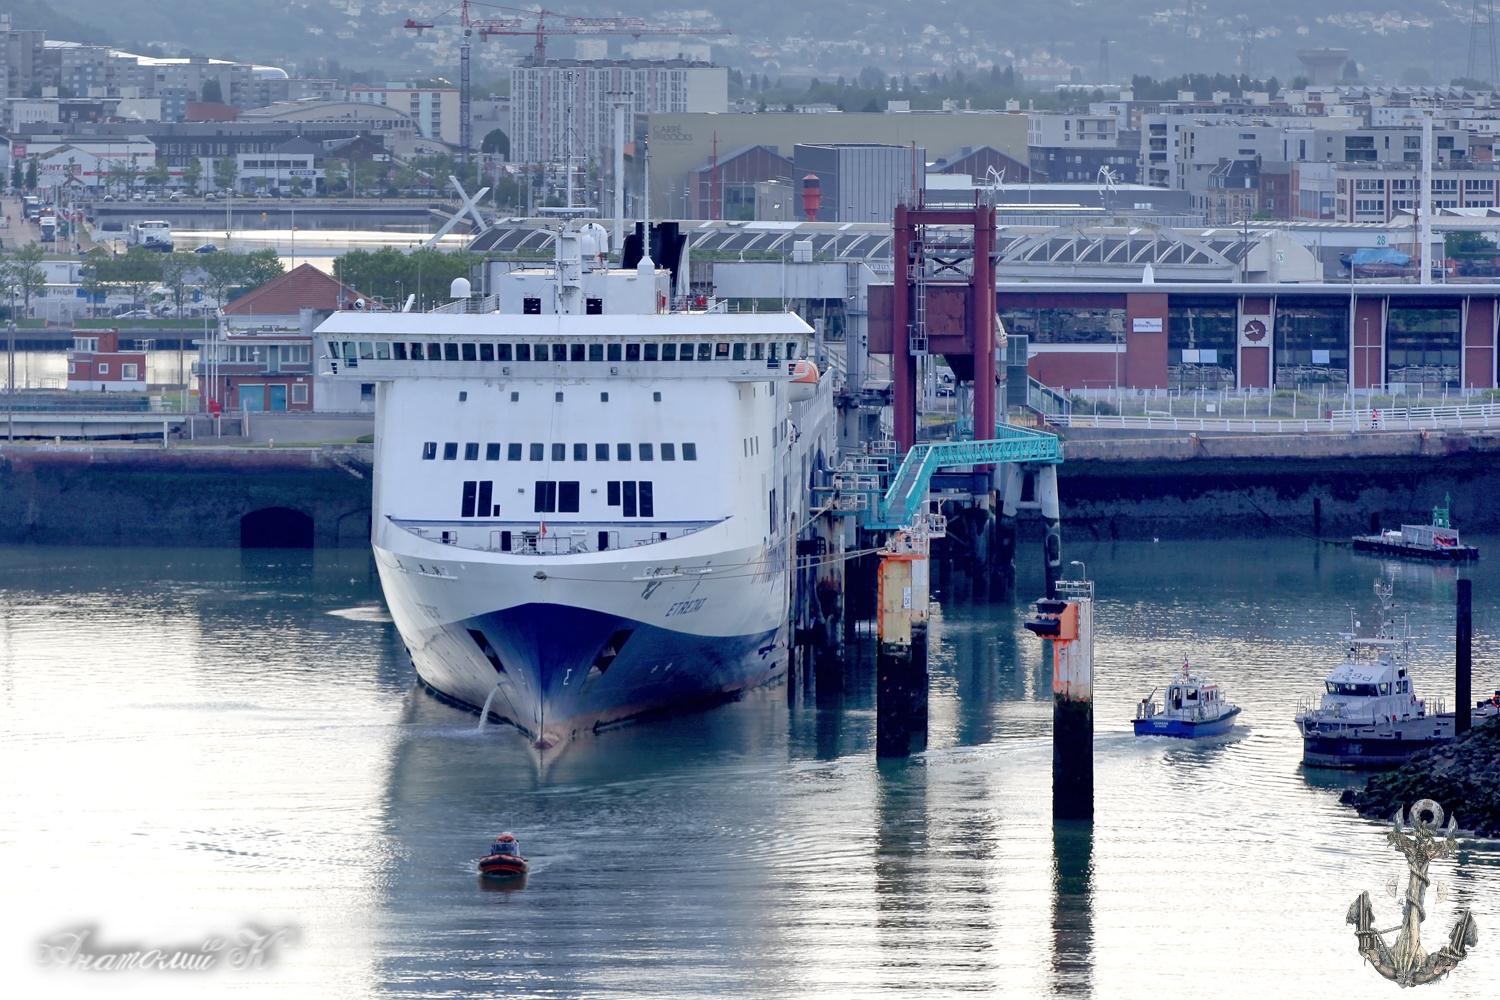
x=622, y=452
x=492, y=451
x=544, y=501
x=596, y=352
x=531, y=305
x=466, y=509
x=603, y=541
x=689, y=452
x=668, y=451
x=504, y=541
x=434, y=352
x=398, y=350
x=559, y=352
x=612, y=493
x=463, y=395
x=539, y=352
x=559, y=452
x=739, y=352
x=537, y=452
x=486, y=497
x=471, y=451
x=603, y=397
x=468, y=352
x=721, y=351
x=513, y=451
x=656, y=397
x=648, y=506
x=450, y=451
x=515, y=397
x=567, y=497
x=757, y=352
x=382, y=350
x=366, y=351
x=1385, y=687
x=502, y=352
x=627, y=489
x=429, y=450
x=1329, y=685
x=523, y=352
x=557, y=397
x=486, y=352
x=593, y=307
x=705, y=352
x=647, y=453
x=669, y=352
x=612, y=352
x=450, y=352
x=416, y=352
x=601, y=453
x=575, y=352
x=648, y=352
x=632, y=352
x=580, y=453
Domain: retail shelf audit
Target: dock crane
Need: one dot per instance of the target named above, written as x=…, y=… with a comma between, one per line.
x=536, y=24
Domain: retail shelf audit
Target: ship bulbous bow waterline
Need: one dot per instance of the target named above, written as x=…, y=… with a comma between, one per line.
x=556, y=671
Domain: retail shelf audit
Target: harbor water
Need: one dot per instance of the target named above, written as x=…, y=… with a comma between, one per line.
x=199, y=742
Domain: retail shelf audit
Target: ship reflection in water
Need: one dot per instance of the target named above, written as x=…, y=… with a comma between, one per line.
x=243, y=738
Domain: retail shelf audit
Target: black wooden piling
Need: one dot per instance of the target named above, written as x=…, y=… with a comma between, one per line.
x=901, y=696
x=1072, y=757
x=1463, y=657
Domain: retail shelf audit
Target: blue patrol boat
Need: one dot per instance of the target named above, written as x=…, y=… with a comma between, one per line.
x=1194, y=707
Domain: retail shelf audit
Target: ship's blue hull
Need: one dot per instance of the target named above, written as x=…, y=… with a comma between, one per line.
x=557, y=671
x=1185, y=729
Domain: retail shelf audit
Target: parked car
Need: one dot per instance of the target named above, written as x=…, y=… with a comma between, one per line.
x=134, y=314
x=205, y=248
x=210, y=196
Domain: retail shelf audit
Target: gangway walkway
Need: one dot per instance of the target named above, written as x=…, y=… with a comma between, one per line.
x=906, y=496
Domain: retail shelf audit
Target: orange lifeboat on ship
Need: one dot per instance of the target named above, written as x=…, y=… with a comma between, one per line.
x=803, y=380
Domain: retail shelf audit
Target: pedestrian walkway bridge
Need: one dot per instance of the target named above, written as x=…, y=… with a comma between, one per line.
x=887, y=500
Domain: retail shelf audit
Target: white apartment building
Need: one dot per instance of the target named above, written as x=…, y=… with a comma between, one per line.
x=434, y=109
x=562, y=109
x=1091, y=131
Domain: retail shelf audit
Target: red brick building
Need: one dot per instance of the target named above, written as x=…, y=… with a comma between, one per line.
x=97, y=363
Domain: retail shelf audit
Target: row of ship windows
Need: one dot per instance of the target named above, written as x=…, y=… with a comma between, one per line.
x=646, y=451
x=635, y=498
x=355, y=351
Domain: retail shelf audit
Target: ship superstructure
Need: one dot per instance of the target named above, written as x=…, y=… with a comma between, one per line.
x=585, y=503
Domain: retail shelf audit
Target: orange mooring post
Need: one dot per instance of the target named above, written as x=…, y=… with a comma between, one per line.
x=901, y=658
x=1068, y=621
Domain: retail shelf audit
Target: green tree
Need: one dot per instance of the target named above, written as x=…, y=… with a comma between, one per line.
x=178, y=273
x=496, y=141
x=388, y=273
x=213, y=93
x=17, y=175
x=1467, y=243
x=31, y=174
x=192, y=174
x=158, y=173
x=89, y=279
x=261, y=267
x=22, y=275
x=136, y=270
x=226, y=172
x=221, y=273
x=335, y=176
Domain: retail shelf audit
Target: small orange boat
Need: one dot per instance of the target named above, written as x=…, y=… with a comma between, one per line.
x=504, y=860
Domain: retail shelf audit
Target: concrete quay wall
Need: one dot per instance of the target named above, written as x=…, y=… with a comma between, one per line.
x=1273, y=485
x=182, y=496
x=1261, y=485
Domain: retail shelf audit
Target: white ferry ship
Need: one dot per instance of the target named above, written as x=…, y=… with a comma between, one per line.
x=586, y=503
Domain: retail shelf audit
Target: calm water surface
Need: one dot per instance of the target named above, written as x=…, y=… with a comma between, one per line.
x=199, y=740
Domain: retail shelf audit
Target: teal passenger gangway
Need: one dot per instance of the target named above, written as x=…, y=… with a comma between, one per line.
x=904, y=499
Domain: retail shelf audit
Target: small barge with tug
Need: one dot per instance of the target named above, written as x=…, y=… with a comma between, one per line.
x=1437, y=541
